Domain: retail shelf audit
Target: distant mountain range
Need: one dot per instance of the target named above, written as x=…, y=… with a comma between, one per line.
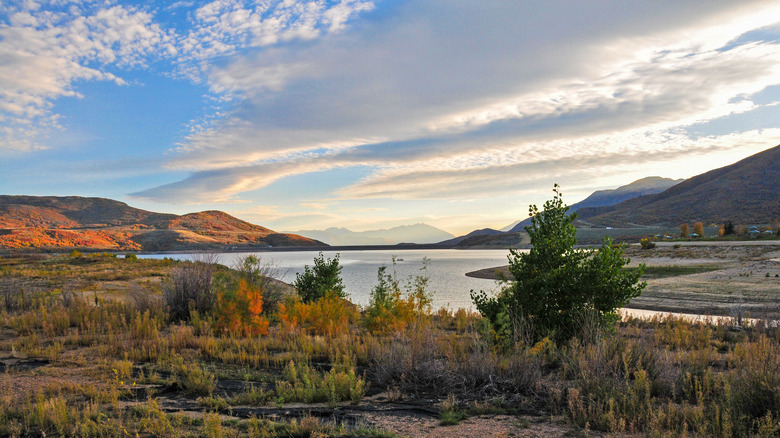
x=50, y=222
x=746, y=192
x=418, y=233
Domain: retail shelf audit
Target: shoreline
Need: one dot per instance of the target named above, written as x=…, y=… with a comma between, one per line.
x=728, y=279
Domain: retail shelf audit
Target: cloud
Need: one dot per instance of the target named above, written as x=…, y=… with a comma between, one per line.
x=223, y=185
x=224, y=27
x=438, y=100
x=467, y=93
x=315, y=205
x=45, y=50
x=577, y=166
x=47, y=47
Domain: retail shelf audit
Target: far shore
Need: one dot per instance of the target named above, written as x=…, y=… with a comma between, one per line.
x=726, y=278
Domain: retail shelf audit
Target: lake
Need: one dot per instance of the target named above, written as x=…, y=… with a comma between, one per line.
x=446, y=269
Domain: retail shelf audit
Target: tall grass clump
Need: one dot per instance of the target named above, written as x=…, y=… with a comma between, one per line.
x=754, y=383
x=191, y=287
x=305, y=384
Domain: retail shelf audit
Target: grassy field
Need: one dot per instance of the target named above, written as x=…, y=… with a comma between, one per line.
x=89, y=348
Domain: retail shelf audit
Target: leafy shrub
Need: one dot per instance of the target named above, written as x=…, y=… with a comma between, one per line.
x=261, y=276
x=556, y=284
x=238, y=310
x=328, y=315
x=325, y=277
x=647, y=243
x=389, y=310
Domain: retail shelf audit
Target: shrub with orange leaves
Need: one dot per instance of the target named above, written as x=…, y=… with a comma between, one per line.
x=329, y=315
x=238, y=310
x=389, y=310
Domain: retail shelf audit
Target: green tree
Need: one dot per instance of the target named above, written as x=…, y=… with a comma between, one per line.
x=559, y=291
x=315, y=283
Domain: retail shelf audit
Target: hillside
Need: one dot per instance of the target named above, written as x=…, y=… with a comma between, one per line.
x=49, y=222
x=745, y=192
x=605, y=198
x=645, y=186
x=468, y=237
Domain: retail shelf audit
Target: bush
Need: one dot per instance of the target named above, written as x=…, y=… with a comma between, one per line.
x=647, y=243
x=238, y=310
x=388, y=310
x=191, y=287
x=328, y=315
x=323, y=279
x=558, y=288
x=261, y=276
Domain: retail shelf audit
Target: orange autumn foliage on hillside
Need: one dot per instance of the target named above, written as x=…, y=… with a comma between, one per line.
x=57, y=238
x=239, y=311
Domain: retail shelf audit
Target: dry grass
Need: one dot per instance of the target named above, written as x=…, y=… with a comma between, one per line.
x=116, y=367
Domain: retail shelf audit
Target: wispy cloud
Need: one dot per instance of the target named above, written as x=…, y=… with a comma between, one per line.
x=575, y=165
x=442, y=109
x=222, y=185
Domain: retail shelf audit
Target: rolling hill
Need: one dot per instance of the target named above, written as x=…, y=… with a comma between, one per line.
x=470, y=236
x=49, y=222
x=746, y=192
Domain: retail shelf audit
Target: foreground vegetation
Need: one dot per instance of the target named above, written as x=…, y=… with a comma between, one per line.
x=116, y=360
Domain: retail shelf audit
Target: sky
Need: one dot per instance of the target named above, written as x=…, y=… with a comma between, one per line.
x=371, y=114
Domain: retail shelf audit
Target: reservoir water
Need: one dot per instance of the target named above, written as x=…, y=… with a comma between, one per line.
x=446, y=269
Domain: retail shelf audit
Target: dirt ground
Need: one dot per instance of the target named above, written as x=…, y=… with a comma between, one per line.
x=744, y=282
